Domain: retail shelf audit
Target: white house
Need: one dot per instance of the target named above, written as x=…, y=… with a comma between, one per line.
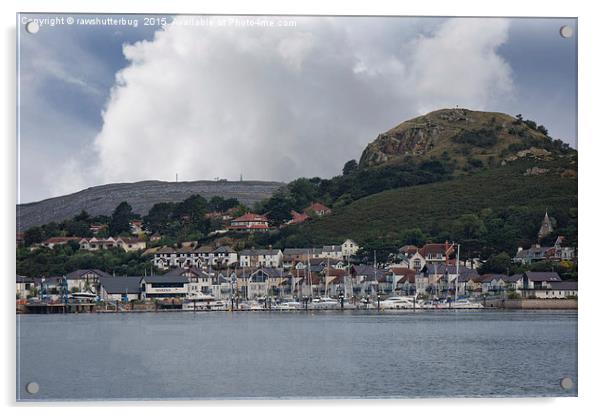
x=85, y=280
x=255, y=258
x=25, y=286
x=332, y=251
x=349, y=248
x=163, y=286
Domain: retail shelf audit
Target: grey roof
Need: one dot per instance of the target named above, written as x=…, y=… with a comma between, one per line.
x=180, y=271
x=533, y=252
x=253, y=252
x=332, y=248
x=491, y=277
x=270, y=272
x=23, y=279
x=166, y=250
x=78, y=274
x=224, y=250
x=176, y=279
x=299, y=251
x=564, y=285
x=469, y=275
x=542, y=276
x=512, y=278
x=121, y=285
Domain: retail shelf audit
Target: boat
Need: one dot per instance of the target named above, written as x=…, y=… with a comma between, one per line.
x=465, y=304
x=399, y=303
x=287, y=306
x=324, y=303
x=85, y=296
x=252, y=306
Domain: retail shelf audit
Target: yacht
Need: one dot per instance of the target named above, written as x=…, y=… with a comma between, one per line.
x=324, y=303
x=398, y=303
x=465, y=304
x=287, y=306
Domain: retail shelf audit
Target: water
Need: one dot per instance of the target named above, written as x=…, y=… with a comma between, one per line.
x=291, y=355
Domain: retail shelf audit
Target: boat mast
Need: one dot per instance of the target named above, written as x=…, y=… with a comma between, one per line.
x=457, y=272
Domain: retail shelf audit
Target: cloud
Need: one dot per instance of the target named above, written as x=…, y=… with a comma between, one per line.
x=279, y=103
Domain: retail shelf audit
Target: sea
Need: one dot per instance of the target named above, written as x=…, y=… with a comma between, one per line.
x=296, y=355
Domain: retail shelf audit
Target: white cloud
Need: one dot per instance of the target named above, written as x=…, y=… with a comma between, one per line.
x=280, y=103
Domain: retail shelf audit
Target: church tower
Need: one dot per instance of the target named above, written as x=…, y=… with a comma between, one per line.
x=546, y=227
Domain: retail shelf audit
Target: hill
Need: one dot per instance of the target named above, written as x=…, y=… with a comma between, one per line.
x=468, y=138
x=102, y=200
x=490, y=211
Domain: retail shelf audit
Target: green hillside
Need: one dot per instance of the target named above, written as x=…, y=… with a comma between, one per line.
x=490, y=211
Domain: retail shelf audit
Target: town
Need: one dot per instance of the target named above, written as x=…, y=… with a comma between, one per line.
x=204, y=277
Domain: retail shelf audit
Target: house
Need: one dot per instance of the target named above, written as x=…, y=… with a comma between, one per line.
x=222, y=285
x=189, y=256
x=318, y=209
x=119, y=288
x=136, y=227
x=255, y=258
x=407, y=275
x=258, y=284
x=534, y=284
x=406, y=282
x=469, y=282
x=20, y=238
x=533, y=254
x=436, y=253
x=223, y=256
x=349, y=248
x=85, y=280
x=334, y=279
x=297, y=217
x=562, y=253
x=293, y=256
x=332, y=251
x=59, y=240
x=560, y=290
x=164, y=286
x=199, y=282
x=250, y=222
x=25, y=287
x=125, y=243
x=96, y=228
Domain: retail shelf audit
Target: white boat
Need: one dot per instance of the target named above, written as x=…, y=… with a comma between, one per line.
x=87, y=296
x=324, y=303
x=252, y=306
x=287, y=306
x=465, y=304
x=399, y=303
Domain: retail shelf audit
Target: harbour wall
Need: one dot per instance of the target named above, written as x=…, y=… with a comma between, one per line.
x=539, y=304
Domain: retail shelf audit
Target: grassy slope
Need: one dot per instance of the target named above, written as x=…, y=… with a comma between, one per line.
x=390, y=213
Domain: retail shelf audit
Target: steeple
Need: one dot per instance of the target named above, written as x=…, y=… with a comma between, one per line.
x=546, y=227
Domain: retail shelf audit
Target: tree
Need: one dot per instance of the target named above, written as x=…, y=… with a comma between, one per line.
x=83, y=216
x=279, y=208
x=120, y=219
x=469, y=226
x=33, y=235
x=414, y=236
x=497, y=264
x=350, y=167
x=77, y=228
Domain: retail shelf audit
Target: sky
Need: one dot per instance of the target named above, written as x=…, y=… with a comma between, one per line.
x=268, y=98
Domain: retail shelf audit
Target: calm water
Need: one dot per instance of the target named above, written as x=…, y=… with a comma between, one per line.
x=328, y=354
